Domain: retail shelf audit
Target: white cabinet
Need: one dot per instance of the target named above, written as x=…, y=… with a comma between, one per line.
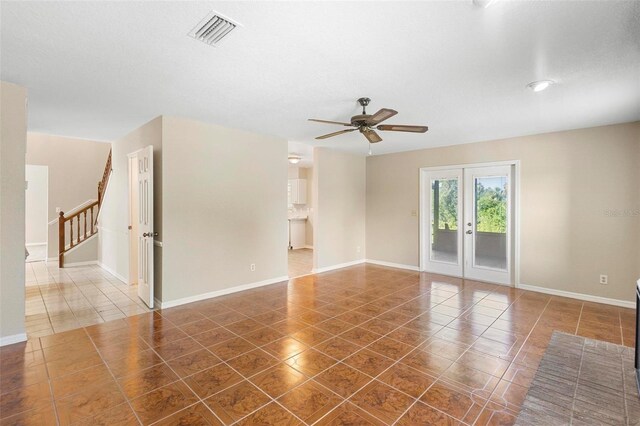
x=297, y=191
x=297, y=233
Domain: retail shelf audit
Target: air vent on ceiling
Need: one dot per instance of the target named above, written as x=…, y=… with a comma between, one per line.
x=213, y=28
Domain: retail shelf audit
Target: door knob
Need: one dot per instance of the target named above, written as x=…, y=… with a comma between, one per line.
x=469, y=231
x=469, y=224
x=144, y=234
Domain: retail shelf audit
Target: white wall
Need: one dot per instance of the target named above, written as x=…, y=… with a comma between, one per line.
x=36, y=204
x=75, y=168
x=113, y=247
x=225, y=207
x=339, y=204
x=13, y=135
x=579, y=205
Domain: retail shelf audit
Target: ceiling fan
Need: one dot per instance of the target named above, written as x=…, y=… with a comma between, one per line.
x=366, y=124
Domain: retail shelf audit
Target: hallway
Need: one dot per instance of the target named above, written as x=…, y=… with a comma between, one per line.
x=64, y=299
x=300, y=262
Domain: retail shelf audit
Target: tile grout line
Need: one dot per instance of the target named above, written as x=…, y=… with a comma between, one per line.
x=413, y=350
x=385, y=294
x=579, y=319
x=523, y=343
x=124, y=395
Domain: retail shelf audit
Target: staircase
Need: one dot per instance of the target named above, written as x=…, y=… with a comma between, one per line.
x=80, y=224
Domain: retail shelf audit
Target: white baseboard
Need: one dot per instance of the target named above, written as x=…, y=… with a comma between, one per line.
x=10, y=340
x=112, y=272
x=338, y=266
x=579, y=296
x=196, y=298
x=88, y=262
x=393, y=265
x=35, y=244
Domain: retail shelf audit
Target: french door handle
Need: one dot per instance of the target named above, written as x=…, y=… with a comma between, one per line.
x=469, y=231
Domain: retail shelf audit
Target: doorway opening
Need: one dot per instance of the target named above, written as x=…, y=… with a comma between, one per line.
x=36, y=213
x=469, y=223
x=300, y=217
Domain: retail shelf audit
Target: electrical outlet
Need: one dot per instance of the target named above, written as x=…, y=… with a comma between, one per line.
x=253, y=267
x=358, y=249
x=604, y=279
x=414, y=213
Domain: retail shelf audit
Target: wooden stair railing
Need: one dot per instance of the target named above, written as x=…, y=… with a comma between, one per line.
x=85, y=227
x=102, y=185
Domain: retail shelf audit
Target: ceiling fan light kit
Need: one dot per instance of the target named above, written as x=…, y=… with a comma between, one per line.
x=294, y=158
x=367, y=124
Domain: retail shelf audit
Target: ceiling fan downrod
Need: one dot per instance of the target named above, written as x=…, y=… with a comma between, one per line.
x=364, y=102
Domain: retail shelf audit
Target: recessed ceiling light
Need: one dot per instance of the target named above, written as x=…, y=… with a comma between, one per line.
x=294, y=158
x=539, y=86
x=485, y=3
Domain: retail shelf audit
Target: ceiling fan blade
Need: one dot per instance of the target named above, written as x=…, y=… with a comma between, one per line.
x=380, y=116
x=330, y=135
x=330, y=122
x=402, y=128
x=371, y=136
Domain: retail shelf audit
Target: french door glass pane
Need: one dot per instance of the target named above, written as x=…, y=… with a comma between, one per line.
x=491, y=222
x=444, y=220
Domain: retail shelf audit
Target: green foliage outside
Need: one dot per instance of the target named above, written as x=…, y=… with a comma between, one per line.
x=448, y=217
x=491, y=207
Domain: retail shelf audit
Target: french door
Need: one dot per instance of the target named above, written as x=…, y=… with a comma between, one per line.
x=467, y=222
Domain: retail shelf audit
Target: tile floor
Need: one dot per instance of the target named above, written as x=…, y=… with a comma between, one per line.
x=361, y=345
x=68, y=298
x=300, y=262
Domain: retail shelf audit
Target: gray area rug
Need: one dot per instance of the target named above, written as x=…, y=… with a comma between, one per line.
x=582, y=382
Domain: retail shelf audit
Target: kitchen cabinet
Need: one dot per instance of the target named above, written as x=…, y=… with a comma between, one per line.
x=297, y=191
x=297, y=232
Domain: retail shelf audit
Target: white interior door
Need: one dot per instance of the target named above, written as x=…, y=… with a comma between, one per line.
x=487, y=224
x=443, y=230
x=145, y=233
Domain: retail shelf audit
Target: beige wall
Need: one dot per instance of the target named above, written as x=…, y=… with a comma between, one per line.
x=293, y=172
x=36, y=204
x=339, y=205
x=570, y=183
x=309, y=224
x=113, y=248
x=75, y=168
x=225, y=207
x=13, y=134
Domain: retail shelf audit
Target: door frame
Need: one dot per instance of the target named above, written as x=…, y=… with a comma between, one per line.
x=424, y=236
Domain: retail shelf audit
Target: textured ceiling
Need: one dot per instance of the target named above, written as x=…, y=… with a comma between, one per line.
x=99, y=69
